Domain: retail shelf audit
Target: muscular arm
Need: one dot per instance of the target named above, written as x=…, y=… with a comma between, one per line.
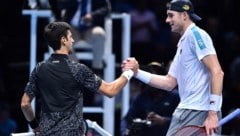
x=26, y=107
x=113, y=88
x=165, y=82
x=211, y=62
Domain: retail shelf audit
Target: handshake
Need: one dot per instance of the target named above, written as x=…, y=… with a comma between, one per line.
x=130, y=64
x=129, y=67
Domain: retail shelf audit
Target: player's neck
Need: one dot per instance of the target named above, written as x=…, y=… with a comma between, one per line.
x=61, y=52
x=186, y=25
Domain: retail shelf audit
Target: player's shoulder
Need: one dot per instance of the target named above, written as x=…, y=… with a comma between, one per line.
x=198, y=31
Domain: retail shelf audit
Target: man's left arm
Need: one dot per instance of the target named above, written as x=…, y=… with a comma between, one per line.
x=213, y=65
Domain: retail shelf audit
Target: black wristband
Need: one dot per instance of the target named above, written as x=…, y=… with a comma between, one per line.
x=34, y=123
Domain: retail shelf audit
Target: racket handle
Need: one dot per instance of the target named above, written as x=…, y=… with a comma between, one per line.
x=230, y=116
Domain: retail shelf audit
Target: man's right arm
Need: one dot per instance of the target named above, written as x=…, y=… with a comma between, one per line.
x=165, y=82
x=113, y=88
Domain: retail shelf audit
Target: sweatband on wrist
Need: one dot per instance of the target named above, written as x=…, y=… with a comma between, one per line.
x=215, y=102
x=34, y=123
x=143, y=76
x=128, y=74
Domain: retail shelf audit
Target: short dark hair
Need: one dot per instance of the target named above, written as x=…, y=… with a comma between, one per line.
x=53, y=33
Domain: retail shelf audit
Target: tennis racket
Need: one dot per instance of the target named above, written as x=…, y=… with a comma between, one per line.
x=193, y=130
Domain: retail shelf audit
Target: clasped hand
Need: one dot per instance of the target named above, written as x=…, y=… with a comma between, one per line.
x=130, y=63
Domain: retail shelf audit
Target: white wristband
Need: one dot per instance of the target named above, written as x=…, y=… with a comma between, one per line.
x=143, y=76
x=128, y=74
x=215, y=102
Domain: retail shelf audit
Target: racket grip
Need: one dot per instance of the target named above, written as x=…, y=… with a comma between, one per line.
x=230, y=116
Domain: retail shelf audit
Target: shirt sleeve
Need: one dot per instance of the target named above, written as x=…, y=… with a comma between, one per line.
x=173, y=67
x=30, y=88
x=203, y=43
x=88, y=79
